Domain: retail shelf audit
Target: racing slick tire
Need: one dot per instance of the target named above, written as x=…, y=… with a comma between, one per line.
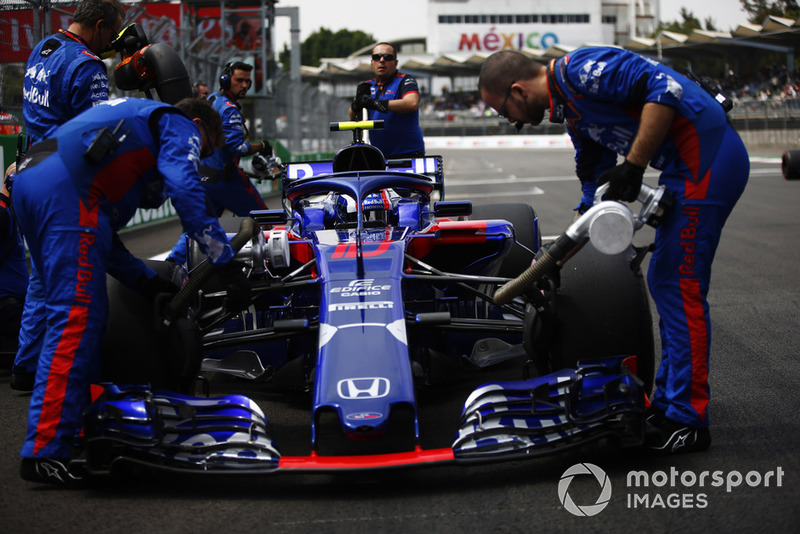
x=230, y=225
x=601, y=309
x=523, y=218
x=135, y=351
x=790, y=165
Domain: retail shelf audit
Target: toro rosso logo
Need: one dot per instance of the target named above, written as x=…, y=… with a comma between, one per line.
x=363, y=388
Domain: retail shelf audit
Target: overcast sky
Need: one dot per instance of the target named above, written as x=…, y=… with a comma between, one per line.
x=409, y=17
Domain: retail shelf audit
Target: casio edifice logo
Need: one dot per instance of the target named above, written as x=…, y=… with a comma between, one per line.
x=361, y=288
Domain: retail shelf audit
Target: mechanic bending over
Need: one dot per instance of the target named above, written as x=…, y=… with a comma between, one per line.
x=73, y=191
x=616, y=102
x=226, y=185
x=64, y=76
x=392, y=97
x=13, y=273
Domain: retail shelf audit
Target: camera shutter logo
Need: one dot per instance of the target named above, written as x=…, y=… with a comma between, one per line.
x=602, y=499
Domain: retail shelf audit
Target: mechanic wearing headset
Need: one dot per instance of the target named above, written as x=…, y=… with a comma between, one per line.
x=13, y=274
x=227, y=187
x=392, y=97
x=63, y=77
x=73, y=192
x=616, y=102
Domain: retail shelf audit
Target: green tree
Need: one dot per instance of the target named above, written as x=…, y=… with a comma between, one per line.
x=325, y=43
x=758, y=10
x=689, y=23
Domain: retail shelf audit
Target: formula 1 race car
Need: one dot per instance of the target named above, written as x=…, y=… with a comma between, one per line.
x=376, y=306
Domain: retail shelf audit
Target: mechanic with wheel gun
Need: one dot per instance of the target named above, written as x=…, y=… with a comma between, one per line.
x=615, y=102
x=226, y=185
x=64, y=76
x=392, y=97
x=72, y=193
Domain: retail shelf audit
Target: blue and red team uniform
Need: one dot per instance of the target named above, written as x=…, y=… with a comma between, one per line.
x=13, y=280
x=401, y=135
x=226, y=185
x=70, y=209
x=62, y=79
x=599, y=93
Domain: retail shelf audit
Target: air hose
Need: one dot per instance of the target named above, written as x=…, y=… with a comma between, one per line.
x=204, y=272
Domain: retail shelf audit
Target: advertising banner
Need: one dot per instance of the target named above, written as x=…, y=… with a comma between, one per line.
x=491, y=37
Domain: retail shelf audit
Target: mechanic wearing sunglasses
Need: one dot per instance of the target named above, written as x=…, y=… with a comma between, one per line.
x=392, y=97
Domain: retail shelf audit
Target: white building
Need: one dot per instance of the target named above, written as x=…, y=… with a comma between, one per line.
x=491, y=25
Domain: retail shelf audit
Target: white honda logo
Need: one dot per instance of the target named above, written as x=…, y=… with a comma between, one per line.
x=363, y=388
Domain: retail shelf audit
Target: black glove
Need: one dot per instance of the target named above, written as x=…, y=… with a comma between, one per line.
x=624, y=181
x=363, y=89
x=266, y=149
x=366, y=101
x=156, y=286
x=232, y=277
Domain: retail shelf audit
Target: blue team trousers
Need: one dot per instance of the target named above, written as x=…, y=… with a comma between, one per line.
x=70, y=243
x=706, y=186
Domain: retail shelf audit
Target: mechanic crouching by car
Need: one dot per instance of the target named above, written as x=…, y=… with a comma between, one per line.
x=226, y=185
x=616, y=102
x=73, y=191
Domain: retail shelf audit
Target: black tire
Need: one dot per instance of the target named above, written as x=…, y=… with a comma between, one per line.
x=134, y=350
x=602, y=309
x=523, y=218
x=230, y=225
x=790, y=164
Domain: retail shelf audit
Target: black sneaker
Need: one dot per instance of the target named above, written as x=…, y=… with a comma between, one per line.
x=21, y=380
x=670, y=437
x=654, y=416
x=52, y=471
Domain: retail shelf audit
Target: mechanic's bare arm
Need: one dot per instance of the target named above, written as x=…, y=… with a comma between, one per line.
x=256, y=147
x=408, y=104
x=655, y=122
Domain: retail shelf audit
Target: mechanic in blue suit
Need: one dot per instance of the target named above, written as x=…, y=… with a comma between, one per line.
x=226, y=185
x=64, y=76
x=615, y=102
x=392, y=97
x=13, y=273
x=73, y=192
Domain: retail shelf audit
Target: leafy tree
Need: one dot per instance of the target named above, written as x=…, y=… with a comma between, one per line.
x=689, y=23
x=325, y=43
x=758, y=10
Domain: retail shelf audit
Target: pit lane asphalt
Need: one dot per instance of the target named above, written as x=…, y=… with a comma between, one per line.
x=755, y=374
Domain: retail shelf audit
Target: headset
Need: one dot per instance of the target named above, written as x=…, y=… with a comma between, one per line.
x=225, y=77
x=227, y=72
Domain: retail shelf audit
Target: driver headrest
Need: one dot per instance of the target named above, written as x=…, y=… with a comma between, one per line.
x=359, y=157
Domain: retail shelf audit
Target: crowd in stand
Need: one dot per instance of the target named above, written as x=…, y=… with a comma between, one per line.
x=773, y=86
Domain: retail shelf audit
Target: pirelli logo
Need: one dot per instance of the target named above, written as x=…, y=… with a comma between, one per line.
x=375, y=305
